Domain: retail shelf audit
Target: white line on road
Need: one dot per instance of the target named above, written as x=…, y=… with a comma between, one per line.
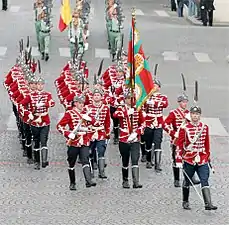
x=162, y=13
x=14, y=8
x=170, y=56
x=102, y=53
x=12, y=125
x=216, y=128
x=35, y=51
x=64, y=52
x=202, y=57
x=139, y=12
x=3, y=51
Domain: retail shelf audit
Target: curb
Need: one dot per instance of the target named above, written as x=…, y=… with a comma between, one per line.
x=194, y=21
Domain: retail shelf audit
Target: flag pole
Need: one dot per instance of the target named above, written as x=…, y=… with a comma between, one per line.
x=132, y=74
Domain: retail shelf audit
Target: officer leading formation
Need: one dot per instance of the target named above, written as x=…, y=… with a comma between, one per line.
x=91, y=114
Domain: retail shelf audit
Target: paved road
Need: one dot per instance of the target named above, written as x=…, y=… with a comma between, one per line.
x=31, y=197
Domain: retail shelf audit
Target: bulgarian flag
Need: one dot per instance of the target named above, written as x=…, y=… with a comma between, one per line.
x=140, y=75
x=65, y=15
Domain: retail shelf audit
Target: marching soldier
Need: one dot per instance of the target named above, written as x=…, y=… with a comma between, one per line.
x=101, y=134
x=176, y=120
x=78, y=140
x=153, y=133
x=115, y=33
x=193, y=155
x=44, y=35
x=38, y=9
x=75, y=34
x=26, y=117
x=132, y=124
x=39, y=103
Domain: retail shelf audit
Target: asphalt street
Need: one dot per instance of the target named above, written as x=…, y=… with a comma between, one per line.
x=42, y=197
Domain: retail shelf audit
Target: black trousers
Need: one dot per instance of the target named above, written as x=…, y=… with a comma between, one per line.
x=127, y=151
x=207, y=16
x=73, y=153
x=28, y=139
x=40, y=136
x=115, y=122
x=4, y=4
x=152, y=136
x=173, y=5
x=173, y=147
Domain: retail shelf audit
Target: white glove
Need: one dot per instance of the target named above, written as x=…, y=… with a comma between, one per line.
x=72, y=40
x=130, y=111
x=176, y=135
x=38, y=105
x=38, y=120
x=86, y=45
x=150, y=102
x=132, y=137
x=122, y=102
x=179, y=165
x=117, y=85
x=188, y=117
x=115, y=5
x=86, y=117
x=83, y=129
x=72, y=136
x=31, y=117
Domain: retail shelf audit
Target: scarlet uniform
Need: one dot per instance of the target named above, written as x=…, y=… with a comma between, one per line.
x=193, y=154
x=71, y=119
x=174, y=120
x=41, y=116
x=39, y=103
x=125, y=123
x=132, y=124
x=78, y=140
x=153, y=133
x=154, y=109
x=193, y=144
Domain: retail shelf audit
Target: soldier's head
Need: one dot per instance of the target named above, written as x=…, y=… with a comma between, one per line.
x=127, y=97
x=40, y=83
x=78, y=102
x=182, y=101
x=157, y=85
x=32, y=82
x=195, y=113
x=97, y=95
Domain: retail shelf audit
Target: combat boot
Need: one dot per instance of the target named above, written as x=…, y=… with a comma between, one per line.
x=185, y=192
x=42, y=56
x=176, y=175
x=46, y=57
x=149, y=165
x=101, y=168
x=157, y=156
x=135, y=176
x=44, y=157
x=113, y=57
x=37, y=160
x=143, y=159
x=72, y=178
x=125, y=175
x=87, y=176
x=207, y=199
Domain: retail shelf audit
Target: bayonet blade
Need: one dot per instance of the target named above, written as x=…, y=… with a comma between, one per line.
x=183, y=82
x=100, y=68
x=196, y=92
x=155, y=70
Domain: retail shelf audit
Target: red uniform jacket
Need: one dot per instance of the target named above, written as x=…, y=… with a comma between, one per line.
x=101, y=114
x=174, y=120
x=193, y=144
x=71, y=119
x=41, y=116
x=154, y=117
x=125, y=123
